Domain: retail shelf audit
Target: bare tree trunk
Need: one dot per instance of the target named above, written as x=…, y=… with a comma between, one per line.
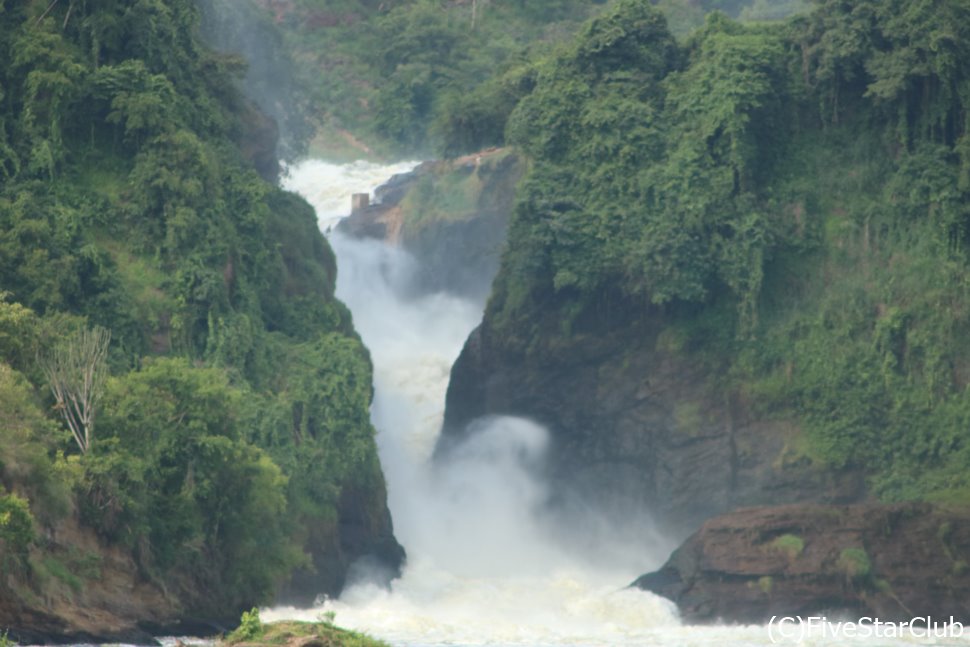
x=475, y=4
x=76, y=373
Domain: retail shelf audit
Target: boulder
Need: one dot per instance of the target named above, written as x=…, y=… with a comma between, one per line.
x=893, y=562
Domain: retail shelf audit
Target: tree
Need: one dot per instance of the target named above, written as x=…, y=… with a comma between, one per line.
x=76, y=373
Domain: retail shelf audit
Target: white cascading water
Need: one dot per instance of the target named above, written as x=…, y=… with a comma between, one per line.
x=485, y=565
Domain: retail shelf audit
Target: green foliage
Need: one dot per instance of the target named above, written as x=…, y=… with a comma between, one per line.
x=27, y=442
x=855, y=564
x=416, y=76
x=17, y=325
x=399, y=75
x=55, y=568
x=16, y=526
x=472, y=121
x=178, y=469
x=789, y=200
x=644, y=174
x=236, y=409
x=250, y=628
x=278, y=633
x=761, y=10
x=791, y=545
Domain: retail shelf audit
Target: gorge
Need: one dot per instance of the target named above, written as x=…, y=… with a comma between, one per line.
x=704, y=287
x=490, y=559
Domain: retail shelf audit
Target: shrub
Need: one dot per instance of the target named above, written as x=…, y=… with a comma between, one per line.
x=792, y=545
x=855, y=564
x=16, y=529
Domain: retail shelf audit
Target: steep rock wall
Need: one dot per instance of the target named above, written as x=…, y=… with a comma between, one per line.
x=636, y=420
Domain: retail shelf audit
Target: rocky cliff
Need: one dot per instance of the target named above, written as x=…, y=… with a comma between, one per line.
x=361, y=535
x=233, y=443
x=107, y=600
x=81, y=589
x=636, y=418
x=714, y=301
x=451, y=215
x=890, y=562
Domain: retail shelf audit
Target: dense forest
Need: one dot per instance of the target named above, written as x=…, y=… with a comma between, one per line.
x=789, y=199
x=413, y=78
x=183, y=307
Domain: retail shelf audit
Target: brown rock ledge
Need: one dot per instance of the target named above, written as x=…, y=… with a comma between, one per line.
x=887, y=561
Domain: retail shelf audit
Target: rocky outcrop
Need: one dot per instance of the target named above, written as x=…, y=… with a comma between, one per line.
x=451, y=215
x=635, y=419
x=891, y=562
x=469, y=201
x=82, y=591
x=383, y=218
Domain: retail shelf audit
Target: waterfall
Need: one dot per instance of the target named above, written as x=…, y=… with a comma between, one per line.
x=486, y=562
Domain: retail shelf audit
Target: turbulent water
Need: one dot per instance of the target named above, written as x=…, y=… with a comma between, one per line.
x=487, y=563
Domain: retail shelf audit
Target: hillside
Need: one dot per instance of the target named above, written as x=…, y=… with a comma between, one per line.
x=411, y=78
x=230, y=451
x=737, y=268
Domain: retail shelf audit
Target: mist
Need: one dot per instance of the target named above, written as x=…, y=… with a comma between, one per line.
x=241, y=27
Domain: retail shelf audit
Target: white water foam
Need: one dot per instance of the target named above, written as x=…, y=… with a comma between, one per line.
x=329, y=187
x=484, y=565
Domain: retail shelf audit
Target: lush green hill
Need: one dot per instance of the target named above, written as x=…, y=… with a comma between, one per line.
x=232, y=441
x=778, y=212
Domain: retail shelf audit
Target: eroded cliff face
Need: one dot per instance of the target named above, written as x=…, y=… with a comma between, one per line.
x=82, y=589
x=90, y=593
x=890, y=562
x=635, y=419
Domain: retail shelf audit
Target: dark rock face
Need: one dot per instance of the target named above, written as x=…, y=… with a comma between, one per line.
x=634, y=420
x=363, y=535
x=890, y=562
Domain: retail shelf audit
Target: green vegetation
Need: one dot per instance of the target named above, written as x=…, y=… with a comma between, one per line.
x=16, y=528
x=854, y=562
x=394, y=71
x=766, y=583
x=172, y=299
x=252, y=631
x=791, y=545
x=457, y=190
x=250, y=627
x=788, y=199
x=412, y=77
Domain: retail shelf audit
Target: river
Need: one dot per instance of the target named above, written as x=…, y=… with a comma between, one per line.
x=486, y=565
